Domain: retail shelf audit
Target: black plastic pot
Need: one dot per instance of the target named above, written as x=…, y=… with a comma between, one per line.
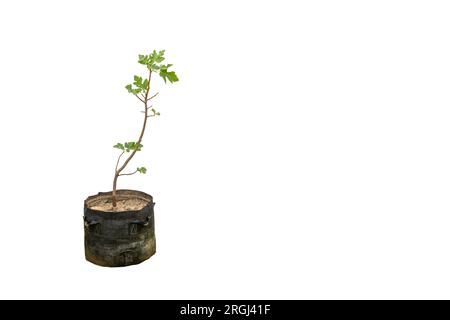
x=117, y=239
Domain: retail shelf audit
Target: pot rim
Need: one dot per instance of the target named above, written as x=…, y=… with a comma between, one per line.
x=145, y=196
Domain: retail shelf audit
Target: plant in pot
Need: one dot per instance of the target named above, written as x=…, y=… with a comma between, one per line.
x=119, y=225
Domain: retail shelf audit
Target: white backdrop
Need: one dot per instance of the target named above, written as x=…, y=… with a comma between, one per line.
x=304, y=153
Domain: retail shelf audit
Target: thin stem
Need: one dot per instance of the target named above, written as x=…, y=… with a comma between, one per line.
x=127, y=174
x=118, y=159
x=152, y=96
x=147, y=108
x=139, y=98
x=114, y=199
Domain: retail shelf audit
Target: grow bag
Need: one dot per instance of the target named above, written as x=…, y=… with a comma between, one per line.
x=122, y=238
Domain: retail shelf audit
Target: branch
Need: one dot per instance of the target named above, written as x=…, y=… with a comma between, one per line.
x=118, y=159
x=127, y=174
x=139, y=98
x=147, y=108
x=152, y=96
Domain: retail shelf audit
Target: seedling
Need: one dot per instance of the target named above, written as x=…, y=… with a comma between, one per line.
x=140, y=88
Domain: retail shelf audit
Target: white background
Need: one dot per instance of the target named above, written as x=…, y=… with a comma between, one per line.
x=304, y=153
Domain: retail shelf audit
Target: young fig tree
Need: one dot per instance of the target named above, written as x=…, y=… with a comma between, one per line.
x=140, y=88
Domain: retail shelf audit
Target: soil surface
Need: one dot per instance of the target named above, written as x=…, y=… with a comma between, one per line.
x=129, y=204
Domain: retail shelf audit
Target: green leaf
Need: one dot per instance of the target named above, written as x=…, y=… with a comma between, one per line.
x=119, y=146
x=138, y=147
x=129, y=146
x=152, y=59
x=168, y=75
x=137, y=79
x=154, y=67
x=132, y=146
x=160, y=57
x=142, y=170
x=157, y=57
x=143, y=59
x=172, y=77
x=132, y=90
x=139, y=83
x=155, y=113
